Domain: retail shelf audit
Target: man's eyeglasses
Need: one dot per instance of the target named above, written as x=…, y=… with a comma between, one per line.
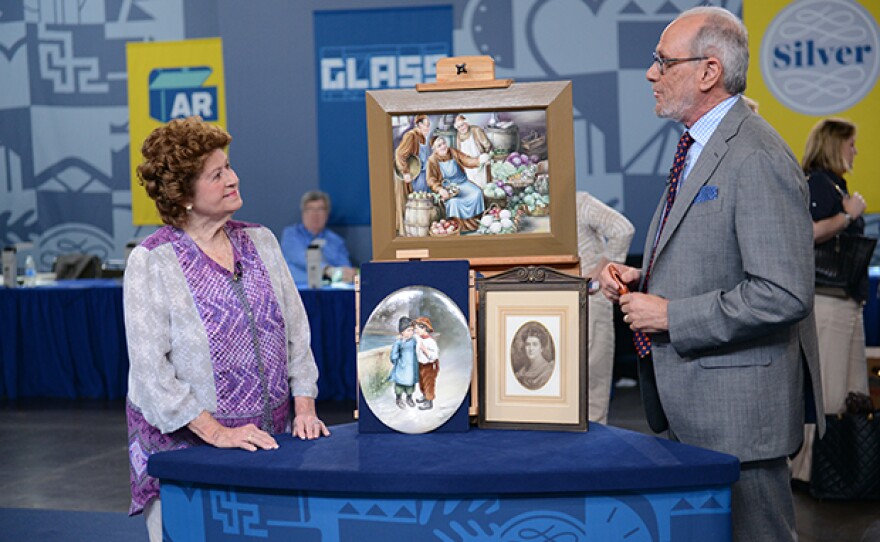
x=662, y=63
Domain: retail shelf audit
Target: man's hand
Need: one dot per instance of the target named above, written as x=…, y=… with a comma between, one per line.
x=645, y=312
x=610, y=287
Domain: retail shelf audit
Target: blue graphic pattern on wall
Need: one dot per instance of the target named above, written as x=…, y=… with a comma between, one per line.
x=201, y=513
x=64, y=171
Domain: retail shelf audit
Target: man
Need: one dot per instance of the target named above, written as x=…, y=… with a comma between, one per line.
x=724, y=307
x=295, y=241
x=472, y=140
x=412, y=150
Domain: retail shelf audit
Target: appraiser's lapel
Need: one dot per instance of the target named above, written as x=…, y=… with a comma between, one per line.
x=703, y=170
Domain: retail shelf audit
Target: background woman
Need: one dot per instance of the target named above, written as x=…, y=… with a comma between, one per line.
x=446, y=171
x=603, y=236
x=217, y=336
x=831, y=148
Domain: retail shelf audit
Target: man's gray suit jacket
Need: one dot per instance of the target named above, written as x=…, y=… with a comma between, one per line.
x=735, y=260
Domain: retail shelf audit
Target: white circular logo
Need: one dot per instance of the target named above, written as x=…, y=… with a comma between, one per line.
x=821, y=56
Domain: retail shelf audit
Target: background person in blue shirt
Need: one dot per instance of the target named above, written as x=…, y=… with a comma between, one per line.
x=295, y=241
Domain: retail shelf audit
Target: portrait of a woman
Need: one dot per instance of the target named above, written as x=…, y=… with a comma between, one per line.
x=533, y=355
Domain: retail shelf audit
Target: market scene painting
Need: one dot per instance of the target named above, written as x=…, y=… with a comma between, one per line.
x=472, y=173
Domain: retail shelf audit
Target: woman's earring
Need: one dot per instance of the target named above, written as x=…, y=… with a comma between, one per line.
x=189, y=207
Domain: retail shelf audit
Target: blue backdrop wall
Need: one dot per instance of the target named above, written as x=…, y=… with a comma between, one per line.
x=64, y=181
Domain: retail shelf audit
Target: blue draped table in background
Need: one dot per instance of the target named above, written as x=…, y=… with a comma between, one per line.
x=67, y=340
x=63, y=340
x=332, y=321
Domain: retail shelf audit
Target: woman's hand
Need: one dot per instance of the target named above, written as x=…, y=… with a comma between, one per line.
x=854, y=205
x=248, y=437
x=306, y=424
x=444, y=194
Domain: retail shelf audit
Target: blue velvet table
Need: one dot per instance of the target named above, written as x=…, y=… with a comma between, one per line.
x=64, y=340
x=67, y=340
x=606, y=484
x=332, y=322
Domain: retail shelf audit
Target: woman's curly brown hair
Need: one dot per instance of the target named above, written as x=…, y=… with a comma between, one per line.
x=174, y=155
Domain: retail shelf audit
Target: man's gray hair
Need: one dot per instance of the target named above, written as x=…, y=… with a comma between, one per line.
x=724, y=36
x=314, y=195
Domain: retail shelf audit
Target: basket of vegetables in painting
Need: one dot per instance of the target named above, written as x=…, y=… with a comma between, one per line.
x=444, y=228
x=497, y=221
x=496, y=193
x=534, y=204
x=518, y=170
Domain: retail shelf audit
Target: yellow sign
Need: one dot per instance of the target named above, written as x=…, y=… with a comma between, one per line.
x=168, y=80
x=814, y=59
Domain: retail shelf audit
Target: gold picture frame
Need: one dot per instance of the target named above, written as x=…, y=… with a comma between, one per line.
x=532, y=350
x=552, y=99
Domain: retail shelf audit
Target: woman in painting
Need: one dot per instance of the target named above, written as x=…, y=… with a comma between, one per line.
x=472, y=141
x=446, y=176
x=533, y=359
x=413, y=146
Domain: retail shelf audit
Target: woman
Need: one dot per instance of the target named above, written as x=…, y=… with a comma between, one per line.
x=464, y=199
x=534, y=364
x=217, y=336
x=831, y=148
x=472, y=141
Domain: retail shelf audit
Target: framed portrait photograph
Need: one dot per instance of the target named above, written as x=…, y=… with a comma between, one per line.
x=472, y=173
x=532, y=358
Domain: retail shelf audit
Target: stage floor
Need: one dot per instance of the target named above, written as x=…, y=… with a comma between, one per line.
x=72, y=455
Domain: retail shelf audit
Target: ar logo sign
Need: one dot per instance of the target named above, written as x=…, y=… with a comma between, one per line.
x=178, y=92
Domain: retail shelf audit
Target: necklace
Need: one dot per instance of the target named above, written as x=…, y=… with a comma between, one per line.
x=218, y=249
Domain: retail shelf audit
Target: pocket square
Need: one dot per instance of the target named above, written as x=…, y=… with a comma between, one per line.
x=706, y=193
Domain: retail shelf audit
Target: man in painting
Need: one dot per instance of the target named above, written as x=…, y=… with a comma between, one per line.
x=427, y=354
x=472, y=140
x=413, y=147
x=531, y=363
x=405, y=372
x=446, y=176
